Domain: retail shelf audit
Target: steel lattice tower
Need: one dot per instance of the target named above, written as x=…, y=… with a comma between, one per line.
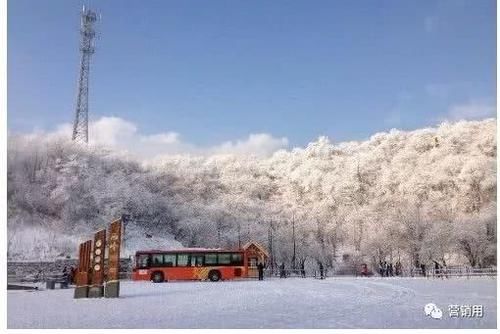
x=87, y=48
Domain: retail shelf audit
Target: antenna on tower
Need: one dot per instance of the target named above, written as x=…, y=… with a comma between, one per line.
x=87, y=48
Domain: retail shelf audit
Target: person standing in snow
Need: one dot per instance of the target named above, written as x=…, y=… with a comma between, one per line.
x=422, y=267
x=321, y=271
x=65, y=272
x=437, y=269
x=364, y=270
x=260, y=268
x=398, y=268
x=65, y=278
x=282, y=270
x=71, y=274
x=302, y=270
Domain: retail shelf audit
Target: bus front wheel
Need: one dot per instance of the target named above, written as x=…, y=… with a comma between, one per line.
x=157, y=277
x=214, y=275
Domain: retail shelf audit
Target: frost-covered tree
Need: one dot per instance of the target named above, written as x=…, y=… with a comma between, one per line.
x=419, y=196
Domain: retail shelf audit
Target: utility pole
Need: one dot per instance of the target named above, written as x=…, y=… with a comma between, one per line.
x=239, y=234
x=270, y=243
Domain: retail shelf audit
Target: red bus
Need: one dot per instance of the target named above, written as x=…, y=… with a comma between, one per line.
x=190, y=264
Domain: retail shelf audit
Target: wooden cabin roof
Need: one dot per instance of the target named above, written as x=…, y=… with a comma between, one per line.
x=256, y=245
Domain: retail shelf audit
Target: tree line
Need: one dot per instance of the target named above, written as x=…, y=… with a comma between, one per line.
x=417, y=196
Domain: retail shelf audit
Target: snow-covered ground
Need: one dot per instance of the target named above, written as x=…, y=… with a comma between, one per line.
x=285, y=303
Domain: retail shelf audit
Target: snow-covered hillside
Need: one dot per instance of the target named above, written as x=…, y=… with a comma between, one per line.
x=417, y=196
x=136, y=239
x=42, y=244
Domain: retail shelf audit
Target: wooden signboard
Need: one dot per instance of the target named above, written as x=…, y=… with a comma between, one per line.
x=82, y=275
x=96, y=288
x=113, y=278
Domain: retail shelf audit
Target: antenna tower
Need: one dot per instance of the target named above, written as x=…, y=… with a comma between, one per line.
x=87, y=48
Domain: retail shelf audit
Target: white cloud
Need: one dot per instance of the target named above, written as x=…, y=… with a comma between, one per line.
x=261, y=144
x=111, y=131
x=162, y=138
x=122, y=135
x=472, y=110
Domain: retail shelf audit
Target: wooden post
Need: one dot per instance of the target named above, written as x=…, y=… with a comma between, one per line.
x=96, y=289
x=113, y=279
x=82, y=276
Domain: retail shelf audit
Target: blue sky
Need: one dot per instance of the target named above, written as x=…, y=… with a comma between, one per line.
x=214, y=71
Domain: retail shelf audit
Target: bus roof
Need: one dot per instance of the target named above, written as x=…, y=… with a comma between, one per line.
x=190, y=250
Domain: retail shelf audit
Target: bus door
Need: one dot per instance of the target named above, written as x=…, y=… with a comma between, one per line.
x=143, y=263
x=197, y=262
x=183, y=270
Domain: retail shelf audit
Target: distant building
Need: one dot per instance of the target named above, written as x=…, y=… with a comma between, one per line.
x=255, y=254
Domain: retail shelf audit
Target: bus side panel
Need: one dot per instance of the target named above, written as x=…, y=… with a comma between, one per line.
x=227, y=272
x=189, y=273
x=233, y=272
x=141, y=275
x=170, y=273
x=178, y=273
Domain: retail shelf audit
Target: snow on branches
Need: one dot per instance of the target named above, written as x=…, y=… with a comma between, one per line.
x=417, y=196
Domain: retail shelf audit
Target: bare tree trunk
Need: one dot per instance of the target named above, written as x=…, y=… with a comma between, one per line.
x=239, y=234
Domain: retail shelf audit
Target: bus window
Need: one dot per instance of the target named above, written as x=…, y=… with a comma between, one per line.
x=182, y=260
x=236, y=259
x=157, y=260
x=196, y=260
x=210, y=259
x=143, y=261
x=169, y=260
x=224, y=258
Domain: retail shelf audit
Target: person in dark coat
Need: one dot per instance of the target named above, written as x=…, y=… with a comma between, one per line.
x=437, y=269
x=65, y=272
x=398, y=268
x=422, y=267
x=282, y=270
x=364, y=270
x=65, y=278
x=260, y=268
x=302, y=270
x=321, y=271
x=72, y=272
